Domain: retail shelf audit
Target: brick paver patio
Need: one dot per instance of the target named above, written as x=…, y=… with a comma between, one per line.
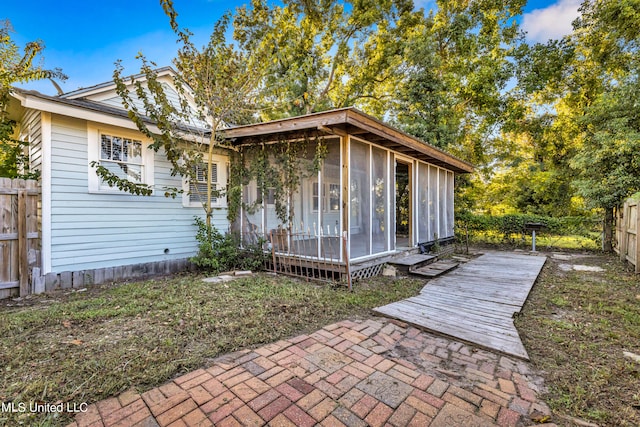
x=375, y=372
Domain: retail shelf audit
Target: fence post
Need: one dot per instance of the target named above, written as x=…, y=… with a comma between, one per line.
x=23, y=247
x=273, y=252
x=346, y=258
x=637, y=254
x=623, y=216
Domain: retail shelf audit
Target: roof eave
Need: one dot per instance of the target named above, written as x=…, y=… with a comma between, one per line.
x=347, y=116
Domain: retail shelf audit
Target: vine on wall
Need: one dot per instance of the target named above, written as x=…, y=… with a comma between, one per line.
x=278, y=167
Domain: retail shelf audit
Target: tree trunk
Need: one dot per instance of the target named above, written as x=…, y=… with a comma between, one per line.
x=607, y=242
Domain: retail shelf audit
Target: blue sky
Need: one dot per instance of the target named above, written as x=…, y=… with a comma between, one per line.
x=86, y=37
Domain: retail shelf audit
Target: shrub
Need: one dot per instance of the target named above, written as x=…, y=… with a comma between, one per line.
x=512, y=229
x=223, y=252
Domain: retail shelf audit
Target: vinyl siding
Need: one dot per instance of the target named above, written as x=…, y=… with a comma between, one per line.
x=172, y=97
x=94, y=230
x=31, y=131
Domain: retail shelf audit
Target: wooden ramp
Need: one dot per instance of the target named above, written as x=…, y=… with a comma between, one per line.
x=476, y=302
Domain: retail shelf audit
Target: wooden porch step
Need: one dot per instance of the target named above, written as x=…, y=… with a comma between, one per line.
x=405, y=263
x=435, y=269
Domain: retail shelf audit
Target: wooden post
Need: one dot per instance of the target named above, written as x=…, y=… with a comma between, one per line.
x=637, y=237
x=623, y=216
x=346, y=258
x=23, y=247
x=346, y=205
x=273, y=252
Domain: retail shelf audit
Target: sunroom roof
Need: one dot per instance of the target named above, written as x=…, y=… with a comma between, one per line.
x=345, y=121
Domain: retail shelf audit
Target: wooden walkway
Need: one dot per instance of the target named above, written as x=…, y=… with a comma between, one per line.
x=476, y=302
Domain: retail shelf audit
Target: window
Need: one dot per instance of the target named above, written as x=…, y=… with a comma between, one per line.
x=316, y=197
x=122, y=156
x=330, y=197
x=195, y=192
x=124, y=153
x=334, y=197
x=269, y=196
x=198, y=189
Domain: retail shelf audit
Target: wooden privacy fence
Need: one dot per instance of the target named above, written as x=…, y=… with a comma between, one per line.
x=19, y=237
x=627, y=226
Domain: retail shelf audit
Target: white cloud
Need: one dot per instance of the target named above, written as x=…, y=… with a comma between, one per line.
x=552, y=22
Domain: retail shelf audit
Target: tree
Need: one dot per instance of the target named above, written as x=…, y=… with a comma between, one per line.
x=17, y=67
x=459, y=62
x=326, y=54
x=608, y=160
x=216, y=85
x=607, y=42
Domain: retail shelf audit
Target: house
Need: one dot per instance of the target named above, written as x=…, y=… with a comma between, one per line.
x=92, y=233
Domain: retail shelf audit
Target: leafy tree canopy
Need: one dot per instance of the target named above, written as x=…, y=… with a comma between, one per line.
x=326, y=54
x=16, y=66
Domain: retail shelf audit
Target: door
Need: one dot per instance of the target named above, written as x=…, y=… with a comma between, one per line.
x=403, y=206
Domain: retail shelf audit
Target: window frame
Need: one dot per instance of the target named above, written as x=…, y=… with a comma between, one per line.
x=222, y=164
x=94, y=150
x=324, y=197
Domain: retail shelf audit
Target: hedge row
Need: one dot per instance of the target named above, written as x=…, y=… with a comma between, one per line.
x=508, y=225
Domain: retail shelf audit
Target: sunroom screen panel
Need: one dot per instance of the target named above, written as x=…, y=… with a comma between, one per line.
x=380, y=202
x=424, y=226
x=444, y=201
x=433, y=203
x=252, y=227
x=359, y=205
x=450, y=203
x=330, y=201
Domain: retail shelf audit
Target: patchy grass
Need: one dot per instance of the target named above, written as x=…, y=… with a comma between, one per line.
x=576, y=326
x=86, y=346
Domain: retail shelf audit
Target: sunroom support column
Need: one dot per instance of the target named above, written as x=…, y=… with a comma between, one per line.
x=344, y=193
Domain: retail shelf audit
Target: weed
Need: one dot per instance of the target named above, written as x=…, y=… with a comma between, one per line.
x=222, y=252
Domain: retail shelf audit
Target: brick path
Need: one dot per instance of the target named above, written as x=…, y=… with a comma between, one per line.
x=375, y=372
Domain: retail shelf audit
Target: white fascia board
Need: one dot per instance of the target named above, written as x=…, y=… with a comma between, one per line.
x=110, y=86
x=79, y=112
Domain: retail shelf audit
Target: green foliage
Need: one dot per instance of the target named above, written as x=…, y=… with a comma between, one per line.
x=512, y=228
x=216, y=86
x=14, y=162
x=326, y=54
x=278, y=170
x=570, y=137
x=608, y=36
x=459, y=61
x=113, y=180
x=608, y=163
x=222, y=252
x=17, y=67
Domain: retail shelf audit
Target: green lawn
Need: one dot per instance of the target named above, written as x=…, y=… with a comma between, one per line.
x=576, y=326
x=86, y=346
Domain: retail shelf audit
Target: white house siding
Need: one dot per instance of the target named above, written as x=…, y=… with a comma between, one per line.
x=31, y=131
x=172, y=96
x=91, y=231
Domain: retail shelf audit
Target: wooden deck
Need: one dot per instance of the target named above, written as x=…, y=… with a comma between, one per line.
x=476, y=302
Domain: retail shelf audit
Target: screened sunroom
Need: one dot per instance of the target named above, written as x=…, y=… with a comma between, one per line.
x=357, y=189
